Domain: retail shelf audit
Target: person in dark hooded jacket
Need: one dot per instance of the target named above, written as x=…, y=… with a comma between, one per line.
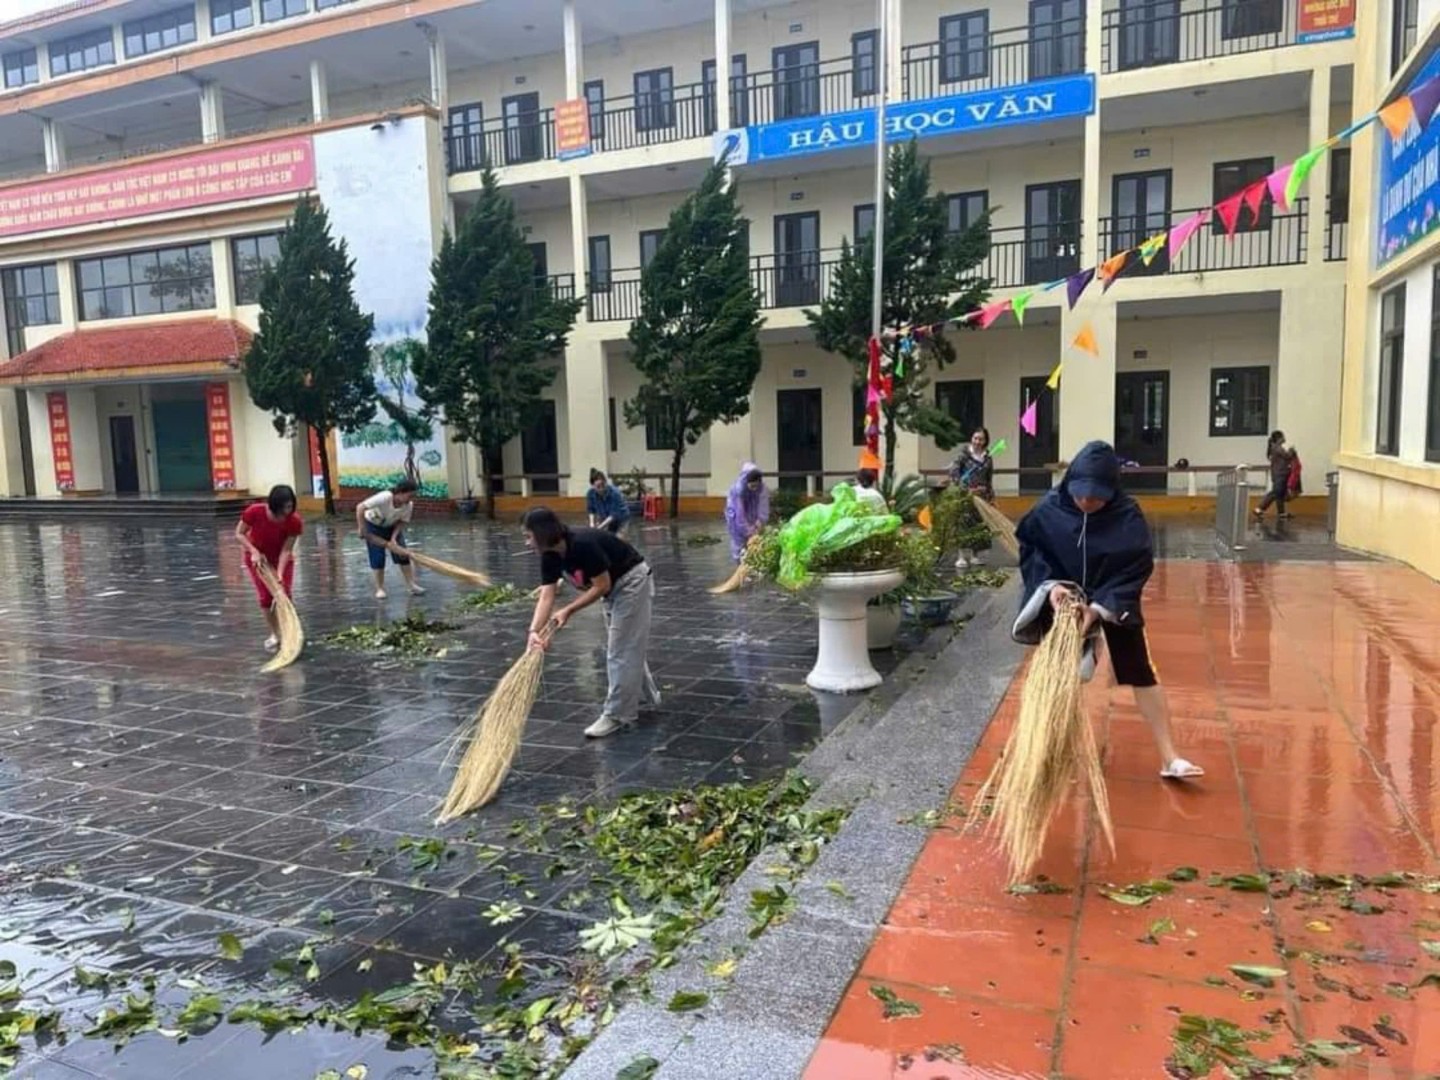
x=1087, y=540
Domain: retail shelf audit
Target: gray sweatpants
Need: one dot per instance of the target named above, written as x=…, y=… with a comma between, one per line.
x=627, y=622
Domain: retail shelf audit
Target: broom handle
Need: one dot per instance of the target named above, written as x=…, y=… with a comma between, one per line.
x=375, y=541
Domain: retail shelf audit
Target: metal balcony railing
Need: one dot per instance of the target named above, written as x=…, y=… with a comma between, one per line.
x=562, y=285
x=828, y=86
x=1032, y=254
x=794, y=279
x=1273, y=240
x=664, y=116
x=613, y=297
x=502, y=141
x=1006, y=57
x=1337, y=230
x=1152, y=33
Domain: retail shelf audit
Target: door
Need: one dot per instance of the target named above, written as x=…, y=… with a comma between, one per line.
x=797, y=80
x=540, y=450
x=799, y=437
x=522, y=128
x=1142, y=425
x=27, y=452
x=122, y=454
x=797, y=259
x=465, y=134
x=542, y=264
x=182, y=445
x=1052, y=231
x=1057, y=38
x=1042, y=448
x=1140, y=203
x=1149, y=33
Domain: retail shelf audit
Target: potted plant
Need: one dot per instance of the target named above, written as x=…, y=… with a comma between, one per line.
x=632, y=484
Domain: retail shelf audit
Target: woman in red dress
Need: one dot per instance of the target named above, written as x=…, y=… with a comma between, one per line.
x=268, y=530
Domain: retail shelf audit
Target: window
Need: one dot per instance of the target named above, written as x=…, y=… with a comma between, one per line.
x=273, y=10
x=1233, y=176
x=21, y=68
x=1404, y=26
x=964, y=401
x=595, y=99
x=1392, y=362
x=95, y=48
x=228, y=15
x=864, y=221
x=146, y=282
x=1246, y=18
x=864, y=74
x=739, y=99
x=1057, y=38
x=1432, y=400
x=966, y=209
x=252, y=256
x=659, y=427
x=614, y=430
x=599, y=264
x=965, y=46
x=321, y=5
x=1340, y=185
x=649, y=245
x=163, y=31
x=796, y=75
x=466, y=135
x=1239, y=401
x=32, y=298
x=655, y=99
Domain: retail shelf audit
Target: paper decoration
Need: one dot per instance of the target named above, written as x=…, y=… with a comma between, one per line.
x=1053, y=382
x=1152, y=247
x=1112, y=267
x=1019, y=304
x=1180, y=235
x=990, y=312
x=1028, y=422
x=1076, y=284
x=1229, y=211
x=1085, y=340
x=1255, y=196
x=998, y=448
x=1425, y=98
x=870, y=460
x=1303, y=164
x=1397, y=116
x=1277, y=182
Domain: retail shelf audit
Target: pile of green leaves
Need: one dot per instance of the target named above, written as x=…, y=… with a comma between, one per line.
x=412, y=637
x=16, y=1021
x=955, y=524
x=1204, y=1043
x=492, y=597
x=702, y=540
x=979, y=577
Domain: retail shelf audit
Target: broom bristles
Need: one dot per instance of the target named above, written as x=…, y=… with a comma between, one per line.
x=733, y=582
x=494, y=738
x=1050, y=747
x=292, y=634
x=459, y=573
x=1000, y=525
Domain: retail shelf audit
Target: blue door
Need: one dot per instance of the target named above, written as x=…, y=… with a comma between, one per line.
x=182, y=446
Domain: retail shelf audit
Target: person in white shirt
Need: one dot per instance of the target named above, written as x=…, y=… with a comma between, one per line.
x=867, y=493
x=384, y=516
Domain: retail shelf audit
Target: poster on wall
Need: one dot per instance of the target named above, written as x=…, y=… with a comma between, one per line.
x=1324, y=20
x=362, y=177
x=222, y=446
x=572, y=129
x=1409, y=187
x=60, y=445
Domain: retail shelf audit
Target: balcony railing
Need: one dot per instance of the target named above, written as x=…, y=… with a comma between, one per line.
x=514, y=140
x=829, y=86
x=1032, y=254
x=1276, y=240
x=1157, y=32
x=1337, y=232
x=1001, y=58
x=795, y=279
x=683, y=112
x=615, y=297
x=562, y=285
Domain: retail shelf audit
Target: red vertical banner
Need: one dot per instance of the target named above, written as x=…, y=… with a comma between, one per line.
x=222, y=443
x=1324, y=20
x=572, y=128
x=317, y=474
x=61, y=447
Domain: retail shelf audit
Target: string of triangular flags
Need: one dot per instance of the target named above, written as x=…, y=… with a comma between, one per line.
x=1282, y=187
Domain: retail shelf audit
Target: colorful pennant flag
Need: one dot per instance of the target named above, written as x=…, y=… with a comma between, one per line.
x=870, y=460
x=998, y=448
x=1053, y=382
x=1110, y=269
x=1150, y=248
x=1255, y=196
x=1229, y=211
x=1019, y=304
x=1180, y=235
x=1085, y=340
x=1028, y=421
x=1425, y=98
x=1076, y=284
x=1303, y=164
x=1397, y=116
x=992, y=311
x=1277, y=182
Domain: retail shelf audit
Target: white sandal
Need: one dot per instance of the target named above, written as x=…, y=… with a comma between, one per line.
x=1180, y=769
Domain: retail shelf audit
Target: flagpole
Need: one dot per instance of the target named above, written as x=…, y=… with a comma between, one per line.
x=877, y=306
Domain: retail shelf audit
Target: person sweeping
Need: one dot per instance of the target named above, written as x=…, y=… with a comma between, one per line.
x=380, y=521
x=1085, y=548
x=605, y=569
x=267, y=532
x=747, y=508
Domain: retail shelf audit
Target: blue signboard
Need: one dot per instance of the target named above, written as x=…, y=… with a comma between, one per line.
x=1051, y=99
x=1409, y=187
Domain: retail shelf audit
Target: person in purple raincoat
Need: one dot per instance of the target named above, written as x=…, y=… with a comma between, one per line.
x=747, y=508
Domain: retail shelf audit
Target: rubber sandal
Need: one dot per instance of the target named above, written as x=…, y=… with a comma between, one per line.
x=1180, y=769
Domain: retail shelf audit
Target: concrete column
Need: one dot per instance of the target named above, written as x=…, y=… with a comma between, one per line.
x=1087, y=385
x=723, y=120
x=202, y=20
x=212, y=112
x=1318, y=188
x=1092, y=183
x=579, y=241
x=439, y=72
x=54, y=146
x=574, y=59
x=731, y=445
x=894, y=50
x=319, y=92
x=587, y=391
x=907, y=455
x=1308, y=372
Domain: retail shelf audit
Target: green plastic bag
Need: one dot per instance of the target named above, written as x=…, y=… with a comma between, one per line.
x=825, y=528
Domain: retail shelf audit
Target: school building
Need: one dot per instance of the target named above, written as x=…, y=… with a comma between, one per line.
x=150, y=151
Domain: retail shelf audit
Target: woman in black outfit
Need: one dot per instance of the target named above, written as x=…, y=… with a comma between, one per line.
x=1281, y=457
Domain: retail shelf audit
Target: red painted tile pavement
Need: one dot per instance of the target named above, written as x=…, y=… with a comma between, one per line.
x=1311, y=694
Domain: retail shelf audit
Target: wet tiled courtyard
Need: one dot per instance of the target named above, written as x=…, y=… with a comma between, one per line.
x=158, y=793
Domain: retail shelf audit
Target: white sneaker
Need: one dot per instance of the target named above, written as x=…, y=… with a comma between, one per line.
x=606, y=725
x=417, y=590
x=272, y=643
x=381, y=594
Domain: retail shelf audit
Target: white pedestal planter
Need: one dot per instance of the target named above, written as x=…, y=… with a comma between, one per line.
x=843, y=665
x=882, y=623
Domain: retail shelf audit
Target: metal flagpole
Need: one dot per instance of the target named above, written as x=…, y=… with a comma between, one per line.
x=878, y=234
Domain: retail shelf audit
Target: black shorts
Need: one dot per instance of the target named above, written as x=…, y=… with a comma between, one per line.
x=1129, y=655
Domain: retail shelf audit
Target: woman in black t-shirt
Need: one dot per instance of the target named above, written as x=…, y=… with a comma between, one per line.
x=606, y=568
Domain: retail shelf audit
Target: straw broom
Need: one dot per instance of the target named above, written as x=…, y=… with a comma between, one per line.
x=494, y=736
x=459, y=573
x=292, y=634
x=1000, y=525
x=736, y=580
x=1050, y=747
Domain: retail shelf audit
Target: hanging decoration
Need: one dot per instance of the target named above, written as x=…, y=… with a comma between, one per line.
x=1085, y=340
x=1053, y=382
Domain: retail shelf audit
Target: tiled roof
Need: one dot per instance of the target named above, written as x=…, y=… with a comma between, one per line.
x=140, y=345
